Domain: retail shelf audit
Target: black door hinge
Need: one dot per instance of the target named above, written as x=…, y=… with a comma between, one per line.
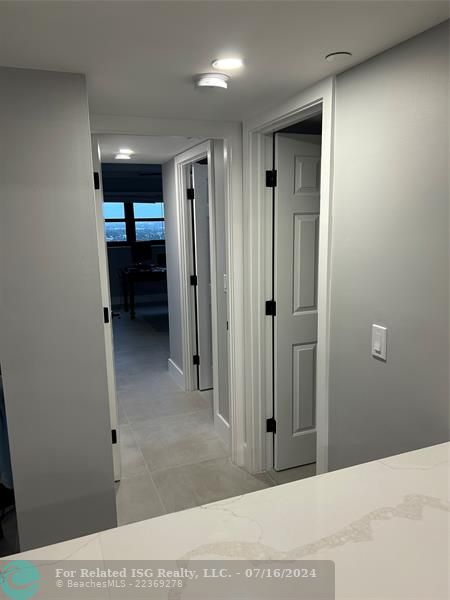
x=96, y=181
x=190, y=193
x=271, y=178
x=271, y=308
x=194, y=280
x=196, y=359
x=114, y=436
x=106, y=314
x=271, y=425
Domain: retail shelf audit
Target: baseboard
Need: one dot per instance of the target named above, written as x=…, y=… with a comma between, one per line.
x=176, y=373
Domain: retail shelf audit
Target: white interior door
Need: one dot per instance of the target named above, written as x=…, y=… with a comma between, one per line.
x=106, y=297
x=203, y=272
x=297, y=206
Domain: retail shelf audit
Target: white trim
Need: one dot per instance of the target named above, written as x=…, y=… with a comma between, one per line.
x=182, y=162
x=106, y=300
x=231, y=134
x=176, y=373
x=223, y=430
x=258, y=348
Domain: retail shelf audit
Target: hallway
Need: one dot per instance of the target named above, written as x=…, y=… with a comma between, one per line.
x=171, y=457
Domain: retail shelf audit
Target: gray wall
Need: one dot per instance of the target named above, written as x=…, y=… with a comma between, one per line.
x=173, y=261
x=391, y=253
x=52, y=346
x=221, y=270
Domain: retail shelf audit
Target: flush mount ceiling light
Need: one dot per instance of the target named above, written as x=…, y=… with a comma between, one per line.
x=217, y=80
x=338, y=56
x=123, y=157
x=127, y=151
x=227, y=64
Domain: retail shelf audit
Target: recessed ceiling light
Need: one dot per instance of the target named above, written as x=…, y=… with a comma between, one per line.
x=123, y=157
x=227, y=64
x=338, y=56
x=218, y=80
x=126, y=151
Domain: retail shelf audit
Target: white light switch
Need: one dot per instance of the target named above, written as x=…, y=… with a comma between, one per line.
x=379, y=335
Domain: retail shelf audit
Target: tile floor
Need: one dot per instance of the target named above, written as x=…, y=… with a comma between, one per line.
x=171, y=457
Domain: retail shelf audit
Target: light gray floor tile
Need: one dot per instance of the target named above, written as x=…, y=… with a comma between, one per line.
x=162, y=405
x=175, y=488
x=121, y=414
x=169, y=449
x=265, y=478
x=219, y=479
x=132, y=460
x=295, y=474
x=172, y=458
x=137, y=499
x=197, y=422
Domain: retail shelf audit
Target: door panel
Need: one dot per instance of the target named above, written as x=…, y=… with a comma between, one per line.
x=106, y=298
x=203, y=270
x=297, y=207
x=306, y=236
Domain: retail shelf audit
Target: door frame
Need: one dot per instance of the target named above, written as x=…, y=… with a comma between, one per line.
x=230, y=134
x=182, y=163
x=106, y=300
x=257, y=222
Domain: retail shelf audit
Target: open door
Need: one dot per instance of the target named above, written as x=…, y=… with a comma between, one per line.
x=296, y=239
x=106, y=297
x=202, y=259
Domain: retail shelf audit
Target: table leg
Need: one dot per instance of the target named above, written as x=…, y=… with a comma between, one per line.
x=132, y=311
x=125, y=292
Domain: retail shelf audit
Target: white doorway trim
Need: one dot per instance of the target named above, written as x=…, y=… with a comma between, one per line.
x=230, y=134
x=182, y=162
x=257, y=224
x=216, y=193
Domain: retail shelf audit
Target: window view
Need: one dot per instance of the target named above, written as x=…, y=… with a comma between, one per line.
x=149, y=230
x=127, y=222
x=115, y=232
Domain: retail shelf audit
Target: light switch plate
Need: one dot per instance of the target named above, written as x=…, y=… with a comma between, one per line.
x=379, y=342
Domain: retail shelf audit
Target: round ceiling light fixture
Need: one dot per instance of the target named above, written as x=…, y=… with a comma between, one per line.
x=217, y=80
x=338, y=56
x=127, y=151
x=123, y=157
x=227, y=64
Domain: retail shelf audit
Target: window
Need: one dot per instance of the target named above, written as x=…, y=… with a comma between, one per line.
x=115, y=224
x=127, y=222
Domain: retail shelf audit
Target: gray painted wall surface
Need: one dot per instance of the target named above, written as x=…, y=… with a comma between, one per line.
x=173, y=263
x=52, y=347
x=391, y=253
x=221, y=270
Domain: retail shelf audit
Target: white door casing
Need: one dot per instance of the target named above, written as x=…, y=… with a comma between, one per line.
x=201, y=221
x=106, y=298
x=297, y=208
x=226, y=141
x=217, y=156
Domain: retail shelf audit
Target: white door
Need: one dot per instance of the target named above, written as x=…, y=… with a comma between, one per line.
x=203, y=272
x=106, y=297
x=297, y=205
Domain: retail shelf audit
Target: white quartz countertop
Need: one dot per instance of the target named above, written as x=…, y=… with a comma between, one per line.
x=385, y=524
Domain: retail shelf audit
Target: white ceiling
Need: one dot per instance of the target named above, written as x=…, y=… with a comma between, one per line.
x=140, y=57
x=152, y=150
